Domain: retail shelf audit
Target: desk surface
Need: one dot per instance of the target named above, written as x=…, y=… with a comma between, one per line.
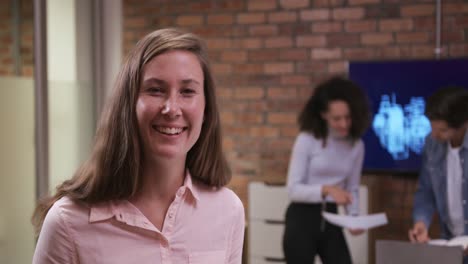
x=400, y=252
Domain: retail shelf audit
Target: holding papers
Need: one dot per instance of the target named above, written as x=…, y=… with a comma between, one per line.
x=356, y=222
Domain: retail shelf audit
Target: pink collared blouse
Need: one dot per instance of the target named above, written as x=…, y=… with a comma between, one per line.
x=203, y=225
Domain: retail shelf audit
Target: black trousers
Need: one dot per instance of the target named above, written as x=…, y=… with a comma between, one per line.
x=306, y=234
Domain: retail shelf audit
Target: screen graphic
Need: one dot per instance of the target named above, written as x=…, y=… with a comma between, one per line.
x=398, y=91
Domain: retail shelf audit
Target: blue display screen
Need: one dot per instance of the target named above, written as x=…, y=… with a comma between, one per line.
x=398, y=91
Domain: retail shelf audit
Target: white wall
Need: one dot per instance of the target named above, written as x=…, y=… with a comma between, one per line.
x=71, y=103
x=17, y=186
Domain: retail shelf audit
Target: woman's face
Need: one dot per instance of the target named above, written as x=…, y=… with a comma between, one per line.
x=338, y=118
x=171, y=104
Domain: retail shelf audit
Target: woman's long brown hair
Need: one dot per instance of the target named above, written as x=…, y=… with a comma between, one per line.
x=113, y=170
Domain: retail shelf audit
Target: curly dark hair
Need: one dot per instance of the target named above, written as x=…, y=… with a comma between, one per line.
x=449, y=104
x=336, y=88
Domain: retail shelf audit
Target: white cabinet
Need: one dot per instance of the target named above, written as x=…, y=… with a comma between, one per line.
x=267, y=208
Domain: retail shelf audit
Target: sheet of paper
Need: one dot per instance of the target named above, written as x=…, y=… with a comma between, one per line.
x=356, y=222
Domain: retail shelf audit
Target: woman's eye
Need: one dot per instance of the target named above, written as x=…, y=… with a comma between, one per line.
x=154, y=90
x=187, y=91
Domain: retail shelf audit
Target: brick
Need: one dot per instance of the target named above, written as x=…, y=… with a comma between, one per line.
x=352, y=13
x=27, y=38
x=248, y=68
x=7, y=61
x=221, y=68
x=264, y=132
x=263, y=79
x=327, y=27
x=462, y=21
x=294, y=4
x=247, y=93
x=360, y=26
x=294, y=54
x=376, y=38
x=458, y=50
x=311, y=66
x=275, y=106
x=326, y=54
x=381, y=12
x=311, y=41
x=281, y=118
x=339, y=40
x=251, y=18
x=218, y=43
x=263, y=5
x=220, y=19
x=202, y=6
x=362, y=2
x=135, y=22
x=189, y=20
x=279, y=145
x=247, y=43
x=229, y=5
x=328, y=3
x=275, y=68
x=234, y=56
x=338, y=67
x=215, y=55
x=358, y=54
x=241, y=130
x=412, y=37
x=390, y=52
x=263, y=30
x=281, y=93
x=314, y=15
x=423, y=23
x=453, y=37
x=224, y=93
x=448, y=23
x=289, y=131
x=244, y=106
x=454, y=8
x=227, y=117
x=263, y=55
x=281, y=17
x=422, y=51
x=418, y=10
x=278, y=42
x=228, y=143
x=248, y=118
x=164, y=21
x=295, y=80
x=239, y=185
x=27, y=70
x=293, y=29
x=395, y=25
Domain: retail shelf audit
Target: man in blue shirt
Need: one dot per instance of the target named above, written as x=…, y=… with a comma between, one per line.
x=443, y=180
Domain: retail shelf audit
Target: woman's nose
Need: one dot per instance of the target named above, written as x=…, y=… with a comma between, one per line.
x=171, y=107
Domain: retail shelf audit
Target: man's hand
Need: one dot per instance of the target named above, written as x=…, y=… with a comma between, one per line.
x=339, y=195
x=418, y=233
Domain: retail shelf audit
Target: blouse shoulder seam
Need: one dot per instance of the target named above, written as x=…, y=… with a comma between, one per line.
x=68, y=230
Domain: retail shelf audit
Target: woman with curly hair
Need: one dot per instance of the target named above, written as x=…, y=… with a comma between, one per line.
x=325, y=171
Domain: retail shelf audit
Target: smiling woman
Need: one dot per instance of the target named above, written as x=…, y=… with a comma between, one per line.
x=152, y=190
x=171, y=104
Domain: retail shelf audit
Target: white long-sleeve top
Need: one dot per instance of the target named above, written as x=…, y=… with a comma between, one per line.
x=314, y=165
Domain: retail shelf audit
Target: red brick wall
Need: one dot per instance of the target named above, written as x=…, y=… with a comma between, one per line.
x=25, y=34
x=268, y=54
